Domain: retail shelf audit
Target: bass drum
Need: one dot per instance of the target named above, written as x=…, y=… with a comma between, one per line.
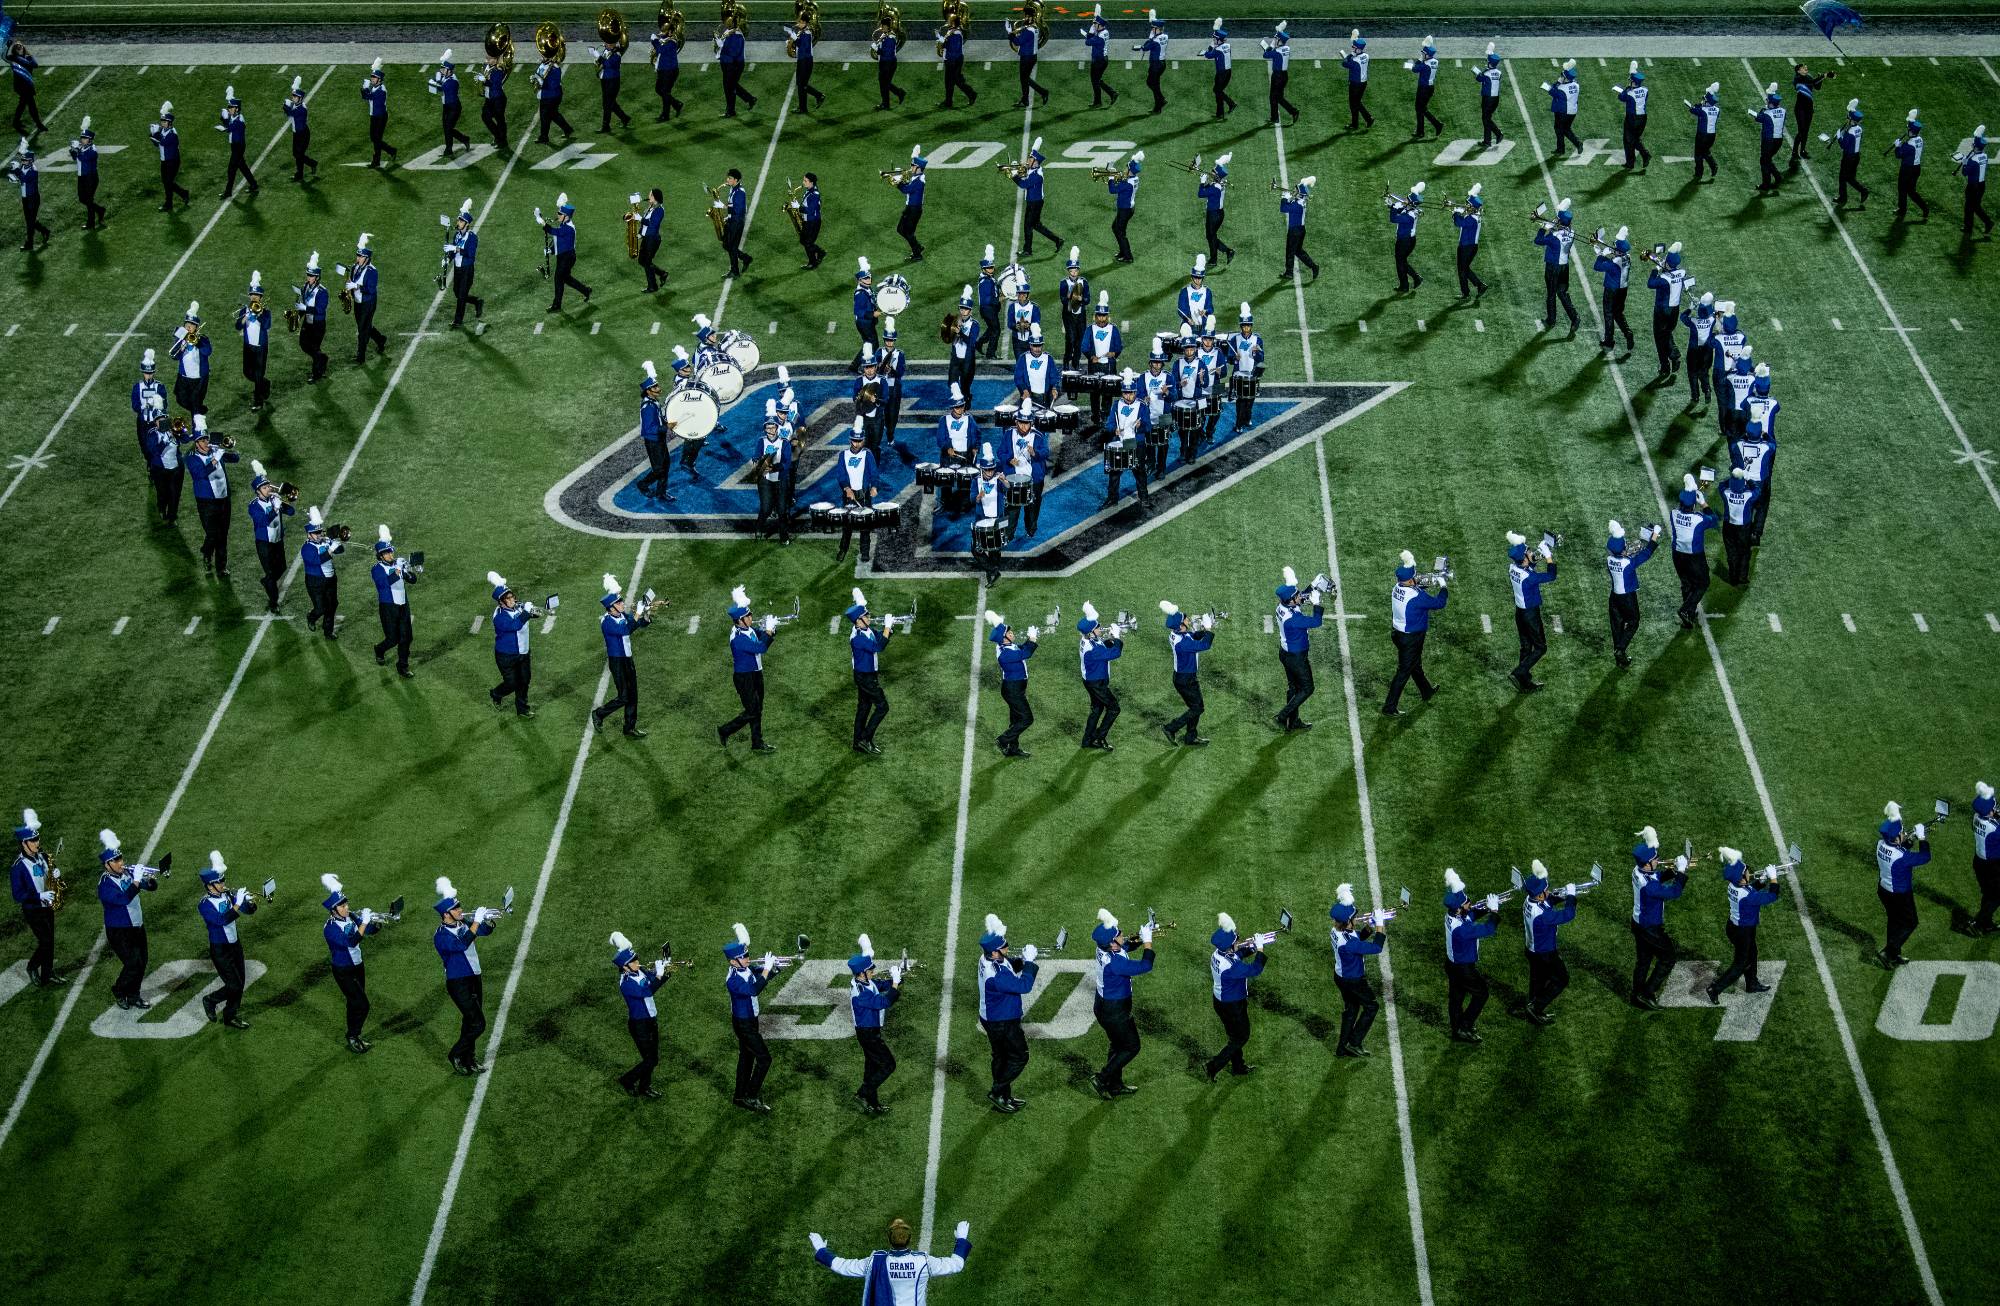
x=722, y=378
x=692, y=411
x=894, y=294
x=741, y=347
x=1011, y=278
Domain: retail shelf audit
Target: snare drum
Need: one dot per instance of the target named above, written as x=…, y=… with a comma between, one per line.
x=927, y=476
x=893, y=295
x=1020, y=491
x=1187, y=416
x=989, y=535
x=1066, y=417
x=723, y=379
x=742, y=349
x=1121, y=456
x=822, y=516
x=1005, y=414
x=888, y=516
x=692, y=411
x=1244, y=385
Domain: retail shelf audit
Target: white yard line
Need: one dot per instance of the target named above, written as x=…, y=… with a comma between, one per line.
x=1305, y=347
x=82, y=980
x=73, y=91
x=1869, y=1107
x=1396, y=1071
x=1896, y=324
x=938, y=1085
x=137, y=320
x=519, y=965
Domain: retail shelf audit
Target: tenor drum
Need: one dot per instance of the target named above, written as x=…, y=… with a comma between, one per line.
x=1076, y=382
x=893, y=295
x=927, y=476
x=821, y=515
x=1020, y=491
x=1066, y=418
x=957, y=476
x=1108, y=384
x=741, y=347
x=989, y=534
x=1121, y=456
x=1244, y=384
x=1011, y=278
x=692, y=411
x=724, y=379
x=888, y=516
x=1006, y=413
x=1167, y=342
x=1187, y=416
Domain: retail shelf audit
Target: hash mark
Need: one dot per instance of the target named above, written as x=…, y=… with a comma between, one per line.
x=1363, y=324
x=51, y=627
x=694, y=623
x=118, y=627
x=1479, y=325
x=1421, y=326
x=1954, y=325
x=550, y=624
x=594, y=327
x=1557, y=622
x=12, y=329
x=1847, y=620
x=477, y=622
x=1836, y=324
x=655, y=331
x=1923, y=627
x=1993, y=623
x=1485, y=624
x=829, y=328
x=538, y=328
x=1775, y=627
x=1267, y=623
x=772, y=330
x=71, y=331
x=1776, y=325
x=192, y=623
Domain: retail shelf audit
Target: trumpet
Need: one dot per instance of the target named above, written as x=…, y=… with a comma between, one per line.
x=390, y=917
x=506, y=908
x=162, y=871
x=783, y=619
x=804, y=945
x=1111, y=174
x=900, y=175
x=1016, y=169
x=1440, y=574
x=643, y=610
x=668, y=962
x=1132, y=940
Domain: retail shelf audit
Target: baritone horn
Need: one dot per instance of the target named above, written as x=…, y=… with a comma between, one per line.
x=672, y=23
x=612, y=31
x=499, y=47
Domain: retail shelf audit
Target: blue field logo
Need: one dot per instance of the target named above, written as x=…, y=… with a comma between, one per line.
x=1076, y=526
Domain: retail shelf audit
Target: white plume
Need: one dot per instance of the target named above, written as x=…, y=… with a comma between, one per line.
x=1730, y=856
x=382, y=533
x=108, y=839
x=1243, y=310
x=256, y=468
x=1167, y=606
x=611, y=585
x=740, y=597
x=1982, y=790
x=994, y=925
x=1104, y=299
x=742, y=933
x=1540, y=871
x=1227, y=922
x=1634, y=67
x=1291, y=577
x=1491, y=47
x=1408, y=559
x=1417, y=189
x=29, y=818
x=1650, y=837
x=856, y=592
x=1452, y=884
x=994, y=619
x=1515, y=537
x=861, y=263
x=1477, y=187
x=1617, y=530
x=1624, y=232
x=1674, y=248
x=865, y=946
x=496, y=580
x=916, y=150
x=619, y=941
x=228, y=93
x=1036, y=146
x=1200, y=264
x=330, y=880
x=1344, y=895
x=1104, y=917
x=1688, y=482
x=1894, y=811
x=215, y=860
x=701, y=320
x=1090, y=611
x=1911, y=116
x=313, y=520
x=444, y=889
x=1076, y=253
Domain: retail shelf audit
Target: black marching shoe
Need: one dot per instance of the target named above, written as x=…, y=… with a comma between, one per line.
x=635, y=733
x=1173, y=741
x=1004, y=1105
x=753, y=1105
x=235, y=1022
x=358, y=1045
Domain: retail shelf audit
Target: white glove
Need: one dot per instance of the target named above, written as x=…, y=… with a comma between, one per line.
x=1681, y=863
x=963, y=1231
x=1408, y=65
x=1207, y=621
x=1316, y=599
x=1146, y=934
x=1265, y=939
x=448, y=247
x=1921, y=836
x=364, y=83
x=1545, y=86
x=819, y=1243
x=48, y=899
x=1030, y=952
x=1034, y=633
x=770, y=963
x=896, y=975
x=771, y=624
x=1569, y=891
x=660, y=968
x=889, y=624
x=1492, y=902
x=367, y=917
x=538, y=218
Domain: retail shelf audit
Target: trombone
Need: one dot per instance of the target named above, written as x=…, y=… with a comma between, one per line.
x=1193, y=165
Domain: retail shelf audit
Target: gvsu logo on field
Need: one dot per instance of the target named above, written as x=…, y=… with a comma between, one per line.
x=1076, y=525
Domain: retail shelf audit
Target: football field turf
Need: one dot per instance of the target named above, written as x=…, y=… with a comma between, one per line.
x=1826, y=1140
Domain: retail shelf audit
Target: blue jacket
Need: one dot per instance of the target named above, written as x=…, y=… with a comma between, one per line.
x=119, y=894
x=1745, y=904
x=458, y=947
x=1096, y=658
x=638, y=991
x=1000, y=989
x=1894, y=865
x=744, y=984
x=1652, y=893
x=1115, y=971
x=871, y=1002
x=747, y=646
x=1540, y=919
x=1013, y=659
x=1294, y=625
x=1229, y=975
x=1350, y=950
x=1462, y=935
x=865, y=646
x=219, y=914
x=343, y=940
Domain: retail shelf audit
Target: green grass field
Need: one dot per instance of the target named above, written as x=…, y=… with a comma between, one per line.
x=1828, y=1143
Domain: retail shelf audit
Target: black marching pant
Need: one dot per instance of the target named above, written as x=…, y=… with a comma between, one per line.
x=516, y=670
x=550, y=114
x=732, y=243
x=493, y=116
x=1769, y=178
x=732, y=90
x=753, y=1058
x=750, y=692
x=353, y=982
x=1850, y=165
x=1624, y=621
x=1534, y=640
x=396, y=632
x=1666, y=322
x=1019, y=715
x=42, y=924
x=1358, y=1005
x=1654, y=961
x=870, y=706
x=1700, y=372
x=1635, y=140
x=1566, y=130
x=1986, y=870
x=1704, y=153
x=660, y=469
x=1212, y=231
x=167, y=485
x=377, y=125
x=1802, y=116
x=645, y=1031
x=128, y=944
x=1468, y=990
x=625, y=687
x=1010, y=1055
x=1409, y=665
x=468, y=994
x=170, y=186
x=1028, y=82
x=1114, y=1016
x=271, y=566
x=1468, y=280
x=1298, y=686
x=311, y=336
x=1154, y=70
x=1030, y=225
x=301, y=142
x=215, y=518
x=1405, y=274
x=1221, y=90
x=1901, y=910
x=954, y=79
x=663, y=86
x=1424, y=114
x=1548, y=976
x=809, y=242
x=1103, y=711
x=906, y=227
x=1614, y=317
x=451, y=131
x=1692, y=568
x=885, y=82
x=228, y=961
x=1235, y=1018
x=649, y=250
x=802, y=79
x=1119, y=222
x=877, y=1064
x=1975, y=206
x=1742, y=960
x=1189, y=688
x=325, y=596
x=1555, y=290
x=1357, y=112
x=365, y=333
x=256, y=366
x=25, y=106
x=31, y=222
x=1295, y=251
x=461, y=290
x=86, y=196
x=238, y=165
x=1489, y=130
x=565, y=278
x=1098, y=90
x=1736, y=553
x=191, y=393
x=608, y=95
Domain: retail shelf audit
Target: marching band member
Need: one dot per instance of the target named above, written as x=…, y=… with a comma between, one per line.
x=311, y=305
x=1896, y=860
x=1157, y=387
x=1849, y=138
x=316, y=563
x=1355, y=61
x=361, y=285
x=164, y=465
x=549, y=98
x=1527, y=584
x=730, y=54
x=957, y=446
x=1024, y=321
x=654, y=433
x=1097, y=45
x=1410, y=608
x=895, y=366
x=220, y=908
x=1985, y=858
x=208, y=467
x=869, y=997
x=444, y=84
x=1489, y=77
x=21, y=65
x=1728, y=343
x=1196, y=301
x=1804, y=85
x=667, y=70
x=377, y=96
x=462, y=251
x=236, y=130
x=1295, y=627
x=1101, y=345
x=899, y=1276
x=1739, y=499
x=1558, y=241
x=118, y=888
x=1095, y=653
x=860, y=481
x=167, y=140
x=884, y=46
x=1707, y=118
x=1973, y=168
x=1746, y=901
x=1292, y=205
x=1616, y=265
x=1187, y=382
x=83, y=153
x=1462, y=932
x=1403, y=215
x=638, y=985
x=510, y=647
x=1012, y=657
x=457, y=942
x=1036, y=373
x=1219, y=54
x=562, y=237
x=1564, y=98
x=1691, y=522
x=775, y=454
x=1470, y=219
x=1155, y=46
x=1213, y=192
x=1634, y=94
x=343, y=933
x=745, y=983
x=611, y=76
x=808, y=206
x=253, y=322
x=747, y=646
x=1351, y=949
x=1113, y=1003
x=869, y=408
x=1128, y=424
x=492, y=81
x=1771, y=138
x=1215, y=375
x=1003, y=981
x=1026, y=39
x=1231, y=967
x=149, y=397
x=1187, y=645
x=864, y=646
x=1028, y=455
x=392, y=577
x=31, y=879
x=1125, y=194
x=951, y=48
x=1623, y=567
x=191, y=361
x=1700, y=324
x=1548, y=976
x=1652, y=889
x=1246, y=358
x=618, y=626
x=865, y=311
x=1032, y=181
x=268, y=510
x=912, y=188
x=1425, y=67
x=1756, y=452
x=1073, y=300
x=989, y=311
